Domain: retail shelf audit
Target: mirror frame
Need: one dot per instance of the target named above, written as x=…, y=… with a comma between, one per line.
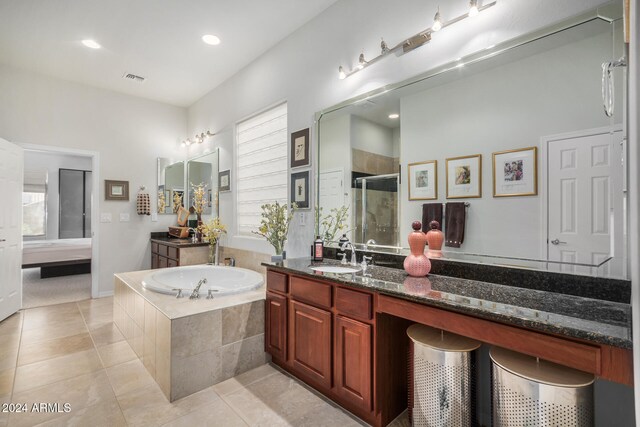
x=158, y=169
x=214, y=179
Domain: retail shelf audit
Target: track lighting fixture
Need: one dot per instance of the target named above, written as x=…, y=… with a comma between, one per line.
x=198, y=139
x=410, y=43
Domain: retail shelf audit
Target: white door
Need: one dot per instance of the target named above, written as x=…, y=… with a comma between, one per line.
x=11, y=164
x=332, y=194
x=585, y=205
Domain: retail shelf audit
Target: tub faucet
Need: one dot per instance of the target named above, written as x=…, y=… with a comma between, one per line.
x=353, y=252
x=196, y=291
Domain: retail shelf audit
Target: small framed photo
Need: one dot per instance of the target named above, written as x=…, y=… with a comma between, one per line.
x=116, y=190
x=300, y=189
x=464, y=177
x=300, y=148
x=224, y=180
x=423, y=180
x=515, y=172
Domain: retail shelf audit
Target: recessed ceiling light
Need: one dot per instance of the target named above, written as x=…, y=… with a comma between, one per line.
x=394, y=116
x=91, y=43
x=210, y=39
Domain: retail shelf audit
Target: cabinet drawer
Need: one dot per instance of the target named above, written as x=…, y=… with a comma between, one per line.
x=358, y=305
x=277, y=282
x=162, y=262
x=172, y=262
x=162, y=250
x=154, y=248
x=172, y=252
x=312, y=292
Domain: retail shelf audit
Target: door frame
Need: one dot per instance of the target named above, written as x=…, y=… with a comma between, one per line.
x=544, y=172
x=95, y=205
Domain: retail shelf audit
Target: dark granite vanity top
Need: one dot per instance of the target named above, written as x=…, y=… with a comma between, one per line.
x=175, y=242
x=595, y=320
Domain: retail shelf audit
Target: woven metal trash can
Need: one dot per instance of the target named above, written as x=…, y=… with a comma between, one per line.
x=441, y=378
x=531, y=392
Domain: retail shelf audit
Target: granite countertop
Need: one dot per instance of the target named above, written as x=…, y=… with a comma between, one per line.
x=595, y=320
x=177, y=243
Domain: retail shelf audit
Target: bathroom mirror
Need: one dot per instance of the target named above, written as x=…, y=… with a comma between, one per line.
x=170, y=194
x=204, y=170
x=454, y=133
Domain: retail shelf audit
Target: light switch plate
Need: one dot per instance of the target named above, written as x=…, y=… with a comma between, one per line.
x=303, y=218
x=105, y=217
x=154, y=217
x=124, y=217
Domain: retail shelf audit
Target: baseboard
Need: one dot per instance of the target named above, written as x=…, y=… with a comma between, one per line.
x=105, y=294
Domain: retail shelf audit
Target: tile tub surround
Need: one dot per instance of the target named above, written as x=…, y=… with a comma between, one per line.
x=614, y=290
x=189, y=345
x=599, y=321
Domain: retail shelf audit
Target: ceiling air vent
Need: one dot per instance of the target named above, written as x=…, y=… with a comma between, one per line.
x=135, y=78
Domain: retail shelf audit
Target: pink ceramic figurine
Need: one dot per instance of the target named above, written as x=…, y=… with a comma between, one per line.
x=435, y=238
x=417, y=264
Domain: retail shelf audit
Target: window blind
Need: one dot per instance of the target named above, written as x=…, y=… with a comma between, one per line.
x=262, y=165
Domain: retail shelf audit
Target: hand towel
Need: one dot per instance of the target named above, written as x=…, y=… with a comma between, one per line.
x=431, y=212
x=455, y=217
x=143, y=204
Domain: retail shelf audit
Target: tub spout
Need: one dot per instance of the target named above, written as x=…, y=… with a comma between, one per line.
x=196, y=291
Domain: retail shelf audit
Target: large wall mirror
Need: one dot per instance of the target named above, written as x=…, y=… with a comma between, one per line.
x=170, y=186
x=454, y=134
x=204, y=170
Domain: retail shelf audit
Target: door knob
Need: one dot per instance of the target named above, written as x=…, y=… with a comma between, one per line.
x=3, y=240
x=557, y=242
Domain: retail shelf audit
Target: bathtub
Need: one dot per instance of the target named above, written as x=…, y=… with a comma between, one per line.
x=222, y=280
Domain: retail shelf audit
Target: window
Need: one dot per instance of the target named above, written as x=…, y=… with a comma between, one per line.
x=34, y=204
x=262, y=165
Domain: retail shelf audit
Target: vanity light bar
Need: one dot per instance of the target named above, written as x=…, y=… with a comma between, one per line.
x=198, y=139
x=416, y=40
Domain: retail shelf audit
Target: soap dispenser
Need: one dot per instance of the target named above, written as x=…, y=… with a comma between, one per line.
x=318, y=249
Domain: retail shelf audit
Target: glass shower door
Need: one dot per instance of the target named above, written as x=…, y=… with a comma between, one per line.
x=377, y=209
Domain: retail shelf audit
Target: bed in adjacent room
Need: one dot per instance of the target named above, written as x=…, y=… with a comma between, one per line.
x=55, y=258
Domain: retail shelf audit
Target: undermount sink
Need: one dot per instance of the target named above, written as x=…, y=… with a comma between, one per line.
x=335, y=269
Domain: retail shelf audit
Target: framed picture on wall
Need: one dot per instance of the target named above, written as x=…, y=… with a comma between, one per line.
x=300, y=148
x=224, y=180
x=464, y=177
x=423, y=180
x=116, y=190
x=300, y=189
x=515, y=172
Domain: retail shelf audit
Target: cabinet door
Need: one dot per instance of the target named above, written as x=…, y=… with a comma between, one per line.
x=155, y=263
x=353, y=374
x=276, y=326
x=172, y=262
x=310, y=342
x=162, y=262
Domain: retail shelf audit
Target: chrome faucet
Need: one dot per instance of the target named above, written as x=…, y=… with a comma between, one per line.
x=353, y=252
x=196, y=291
x=194, y=237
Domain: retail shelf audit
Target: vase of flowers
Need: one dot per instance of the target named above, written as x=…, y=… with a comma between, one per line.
x=199, y=200
x=211, y=232
x=274, y=226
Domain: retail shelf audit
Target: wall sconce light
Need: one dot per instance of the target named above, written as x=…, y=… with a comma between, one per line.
x=417, y=40
x=198, y=139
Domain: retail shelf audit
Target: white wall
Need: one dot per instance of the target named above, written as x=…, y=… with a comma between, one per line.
x=302, y=70
x=507, y=107
x=372, y=137
x=52, y=163
x=128, y=132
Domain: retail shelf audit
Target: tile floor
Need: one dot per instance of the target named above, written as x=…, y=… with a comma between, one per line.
x=72, y=353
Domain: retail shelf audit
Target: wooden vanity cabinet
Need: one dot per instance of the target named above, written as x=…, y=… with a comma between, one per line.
x=353, y=361
x=167, y=255
x=276, y=325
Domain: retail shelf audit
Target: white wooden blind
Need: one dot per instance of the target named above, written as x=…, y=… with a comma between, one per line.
x=262, y=165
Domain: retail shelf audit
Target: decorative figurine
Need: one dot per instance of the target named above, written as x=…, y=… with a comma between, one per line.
x=417, y=264
x=435, y=237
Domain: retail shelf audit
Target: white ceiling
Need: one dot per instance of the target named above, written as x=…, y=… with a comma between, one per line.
x=159, y=40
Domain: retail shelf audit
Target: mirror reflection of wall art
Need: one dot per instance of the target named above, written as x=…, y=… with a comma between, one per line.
x=116, y=190
x=464, y=177
x=423, y=180
x=515, y=172
x=300, y=148
x=300, y=189
x=224, y=180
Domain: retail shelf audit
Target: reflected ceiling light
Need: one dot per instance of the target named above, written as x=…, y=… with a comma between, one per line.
x=341, y=73
x=491, y=46
x=211, y=39
x=394, y=115
x=183, y=144
x=91, y=44
x=437, y=21
x=188, y=142
x=473, y=8
x=361, y=61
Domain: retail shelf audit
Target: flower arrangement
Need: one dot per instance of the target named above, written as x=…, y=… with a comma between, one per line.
x=162, y=202
x=274, y=225
x=211, y=232
x=199, y=198
x=333, y=223
x=177, y=201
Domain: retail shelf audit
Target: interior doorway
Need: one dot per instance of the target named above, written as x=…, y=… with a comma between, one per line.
x=60, y=248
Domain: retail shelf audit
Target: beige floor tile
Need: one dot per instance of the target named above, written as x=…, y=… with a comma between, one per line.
x=148, y=406
x=116, y=353
x=46, y=316
x=104, y=414
x=11, y=325
x=401, y=421
x=214, y=414
x=57, y=329
x=38, y=351
x=106, y=333
x=244, y=379
x=4, y=416
x=80, y=392
x=129, y=376
x=89, y=304
x=57, y=369
x=6, y=381
x=96, y=313
x=8, y=353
